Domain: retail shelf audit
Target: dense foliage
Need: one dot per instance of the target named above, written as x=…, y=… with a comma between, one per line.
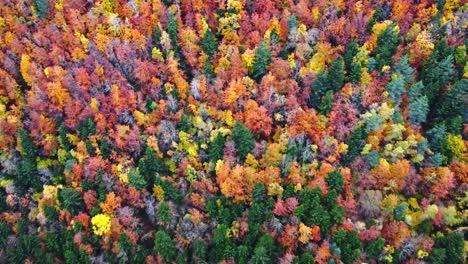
x=233, y=131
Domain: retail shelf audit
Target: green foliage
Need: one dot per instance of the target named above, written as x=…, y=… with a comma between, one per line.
x=165, y=246
x=351, y=50
x=27, y=176
x=400, y=212
x=86, y=128
x=305, y=258
x=452, y=107
x=199, y=248
x=349, y=244
x=262, y=60
x=418, y=110
x=311, y=212
x=70, y=200
x=41, y=7
x=29, y=149
x=375, y=248
x=355, y=144
x=243, y=139
x=106, y=149
x=327, y=103
x=404, y=69
x=336, y=74
x=396, y=88
x=136, y=180
x=318, y=89
x=164, y=212
x=217, y=148
x=209, y=44
x=453, y=244
x=149, y=165
x=387, y=43
x=335, y=181
x=172, y=29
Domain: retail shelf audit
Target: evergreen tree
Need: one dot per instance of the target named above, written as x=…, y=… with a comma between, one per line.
x=349, y=245
x=327, y=103
x=208, y=69
x=351, y=50
x=199, y=248
x=261, y=61
x=396, y=88
x=209, y=45
x=356, y=73
x=164, y=212
x=452, y=107
x=149, y=165
x=405, y=69
x=172, y=29
x=41, y=7
x=335, y=181
x=243, y=139
x=217, y=148
x=165, y=246
x=336, y=74
x=387, y=43
x=418, y=110
x=71, y=200
x=318, y=89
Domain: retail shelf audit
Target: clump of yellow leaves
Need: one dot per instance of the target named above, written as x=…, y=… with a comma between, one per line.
x=101, y=224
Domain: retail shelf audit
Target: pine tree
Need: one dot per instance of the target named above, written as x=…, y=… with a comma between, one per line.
x=209, y=45
x=335, y=181
x=165, y=246
x=349, y=245
x=351, y=50
x=261, y=61
x=326, y=104
x=418, y=110
x=243, y=139
x=318, y=89
x=217, y=148
x=452, y=107
x=41, y=7
x=387, y=43
x=356, y=73
x=336, y=74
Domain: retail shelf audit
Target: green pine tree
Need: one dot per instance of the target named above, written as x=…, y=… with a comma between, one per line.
x=41, y=7
x=387, y=43
x=336, y=74
x=217, y=148
x=261, y=61
x=243, y=139
x=165, y=246
x=209, y=44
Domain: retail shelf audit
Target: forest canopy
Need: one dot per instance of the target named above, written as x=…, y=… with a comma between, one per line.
x=233, y=131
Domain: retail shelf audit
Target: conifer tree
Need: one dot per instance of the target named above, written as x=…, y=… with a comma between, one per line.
x=387, y=43
x=243, y=139
x=336, y=74
x=209, y=45
x=261, y=61
x=217, y=148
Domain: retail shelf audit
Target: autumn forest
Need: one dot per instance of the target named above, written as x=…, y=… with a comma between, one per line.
x=233, y=131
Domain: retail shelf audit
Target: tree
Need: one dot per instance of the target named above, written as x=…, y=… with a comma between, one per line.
x=319, y=89
x=448, y=248
x=387, y=43
x=349, y=244
x=418, y=110
x=243, y=139
x=217, y=148
x=165, y=246
x=208, y=44
x=41, y=7
x=336, y=74
x=335, y=181
x=261, y=61
x=71, y=200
